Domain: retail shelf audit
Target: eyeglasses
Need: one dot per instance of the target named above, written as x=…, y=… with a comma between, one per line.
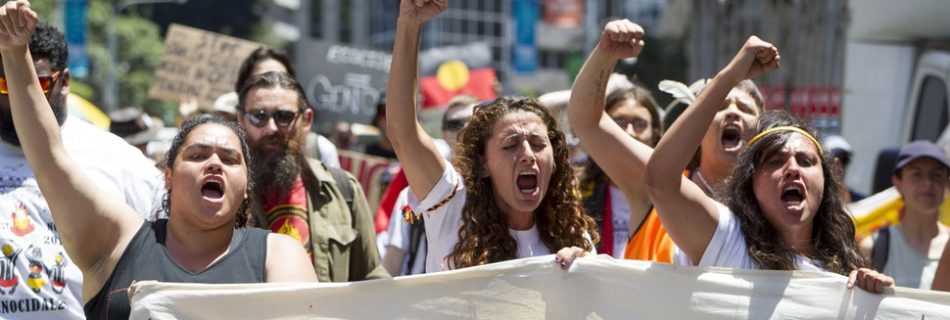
x=282, y=118
x=46, y=83
x=637, y=123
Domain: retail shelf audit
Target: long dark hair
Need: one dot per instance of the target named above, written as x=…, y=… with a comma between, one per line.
x=483, y=235
x=190, y=125
x=257, y=56
x=592, y=172
x=832, y=236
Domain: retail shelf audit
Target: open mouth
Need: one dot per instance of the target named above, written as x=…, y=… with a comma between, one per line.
x=212, y=189
x=527, y=182
x=731, y=137
x=793, y=195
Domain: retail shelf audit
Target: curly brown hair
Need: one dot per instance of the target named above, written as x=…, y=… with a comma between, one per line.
x=833, y=229
x=560, y=218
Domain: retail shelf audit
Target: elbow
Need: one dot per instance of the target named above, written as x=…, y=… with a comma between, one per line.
x=654, y=178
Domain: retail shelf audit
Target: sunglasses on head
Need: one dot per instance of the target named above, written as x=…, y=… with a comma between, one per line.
x=46, y=83
x=260, y=117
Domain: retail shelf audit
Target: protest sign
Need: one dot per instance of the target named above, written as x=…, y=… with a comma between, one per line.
x=198, y=63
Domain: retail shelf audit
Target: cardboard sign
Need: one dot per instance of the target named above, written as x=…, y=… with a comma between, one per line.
x=198, y=63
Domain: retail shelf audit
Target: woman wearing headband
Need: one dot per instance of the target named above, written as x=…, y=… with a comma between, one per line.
x=600, y=136
x=782, y=210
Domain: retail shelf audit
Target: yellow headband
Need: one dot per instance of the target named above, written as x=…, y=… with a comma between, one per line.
x=786, y=128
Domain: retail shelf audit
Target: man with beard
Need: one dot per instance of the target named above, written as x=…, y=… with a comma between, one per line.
x=39, y=280
x=324, y=209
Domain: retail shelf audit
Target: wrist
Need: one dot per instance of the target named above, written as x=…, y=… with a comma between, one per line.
x=403, y=22
x=729, y=76
x=13, y=49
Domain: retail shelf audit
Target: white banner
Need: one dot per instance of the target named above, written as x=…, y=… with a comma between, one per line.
x=594, y=288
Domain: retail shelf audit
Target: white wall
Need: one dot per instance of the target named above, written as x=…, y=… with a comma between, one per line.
x=874, y=97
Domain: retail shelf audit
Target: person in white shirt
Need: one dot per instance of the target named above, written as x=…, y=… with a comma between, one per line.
x=37, y=276
x=910, y=250
x=783, y=209
x=510, y=192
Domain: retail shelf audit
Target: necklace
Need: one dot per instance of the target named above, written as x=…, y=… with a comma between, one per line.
x=709, y=189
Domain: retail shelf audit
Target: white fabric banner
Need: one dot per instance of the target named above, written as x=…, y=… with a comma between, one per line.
x=535, y=288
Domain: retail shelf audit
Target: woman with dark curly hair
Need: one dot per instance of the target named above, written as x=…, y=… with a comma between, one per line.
x=206, y=179
x=511, y=192
x=783, y=209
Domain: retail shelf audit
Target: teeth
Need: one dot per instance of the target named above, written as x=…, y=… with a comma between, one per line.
x=527, y=173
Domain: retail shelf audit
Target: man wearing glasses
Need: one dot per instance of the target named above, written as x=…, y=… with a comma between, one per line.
x=37, y=279
x=324, y=209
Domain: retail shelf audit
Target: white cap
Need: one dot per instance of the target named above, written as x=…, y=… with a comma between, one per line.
x=226, y=103
x=836, y=144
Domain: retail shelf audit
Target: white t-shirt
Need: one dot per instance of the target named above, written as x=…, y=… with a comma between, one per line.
x=442, y=224
x=399, y=237
x=28, y=236
x=908, y=267
x=620, y=213
x=727, y=248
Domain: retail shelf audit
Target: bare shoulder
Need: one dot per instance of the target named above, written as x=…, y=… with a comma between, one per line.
x=287, y=261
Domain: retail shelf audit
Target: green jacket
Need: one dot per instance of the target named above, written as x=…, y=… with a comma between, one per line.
x=344, y=242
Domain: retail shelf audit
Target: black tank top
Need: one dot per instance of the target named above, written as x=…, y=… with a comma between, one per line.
x=147, y=259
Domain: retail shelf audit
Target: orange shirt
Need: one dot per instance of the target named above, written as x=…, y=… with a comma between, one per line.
x=651, y=242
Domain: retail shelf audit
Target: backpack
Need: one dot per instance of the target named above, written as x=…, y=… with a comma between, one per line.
x=880, y=248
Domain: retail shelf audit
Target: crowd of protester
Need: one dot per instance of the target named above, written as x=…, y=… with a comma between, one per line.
x=248, y=193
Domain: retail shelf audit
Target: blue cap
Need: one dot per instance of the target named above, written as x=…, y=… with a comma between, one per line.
x=920, y=149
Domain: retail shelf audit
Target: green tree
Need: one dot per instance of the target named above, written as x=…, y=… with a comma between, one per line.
x=139, y=53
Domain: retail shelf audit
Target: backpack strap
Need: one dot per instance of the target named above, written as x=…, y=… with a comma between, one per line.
x=880, y=248
x=417, y=234
x=343, y=183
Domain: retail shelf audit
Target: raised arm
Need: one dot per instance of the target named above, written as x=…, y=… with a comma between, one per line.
x=688, y=214
x=77, y=205
x=621, y=156
x=417, y=154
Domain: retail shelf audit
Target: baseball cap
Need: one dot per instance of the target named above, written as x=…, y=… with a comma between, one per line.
x=920, y=149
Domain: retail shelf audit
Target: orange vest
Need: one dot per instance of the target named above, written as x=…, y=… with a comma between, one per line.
x=651, y=242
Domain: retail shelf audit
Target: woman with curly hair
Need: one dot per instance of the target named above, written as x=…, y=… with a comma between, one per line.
x=510, y=193
x=206, y=170
x=782, y=210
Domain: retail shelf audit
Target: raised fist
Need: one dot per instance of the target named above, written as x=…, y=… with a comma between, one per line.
x=755, y=58
x=17, y=22
x=420, y=11
x=621, y=39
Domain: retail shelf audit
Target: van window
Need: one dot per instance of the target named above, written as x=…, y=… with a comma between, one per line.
x=931, y=117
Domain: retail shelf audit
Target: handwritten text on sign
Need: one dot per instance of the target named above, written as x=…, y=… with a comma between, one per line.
x=198, y=63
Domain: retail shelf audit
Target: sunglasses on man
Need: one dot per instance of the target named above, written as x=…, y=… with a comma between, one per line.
x=260, y=117
x=46, y=83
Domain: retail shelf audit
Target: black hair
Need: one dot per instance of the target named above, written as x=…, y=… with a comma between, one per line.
x=272, y=79
x=47, y=42
x=258, y=56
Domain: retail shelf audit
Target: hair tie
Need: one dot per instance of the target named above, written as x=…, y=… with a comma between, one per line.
x=786, y=128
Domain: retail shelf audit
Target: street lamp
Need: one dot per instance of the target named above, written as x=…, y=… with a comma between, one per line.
x=112, y=85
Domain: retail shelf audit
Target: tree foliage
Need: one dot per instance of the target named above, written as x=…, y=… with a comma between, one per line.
x=139, y=53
